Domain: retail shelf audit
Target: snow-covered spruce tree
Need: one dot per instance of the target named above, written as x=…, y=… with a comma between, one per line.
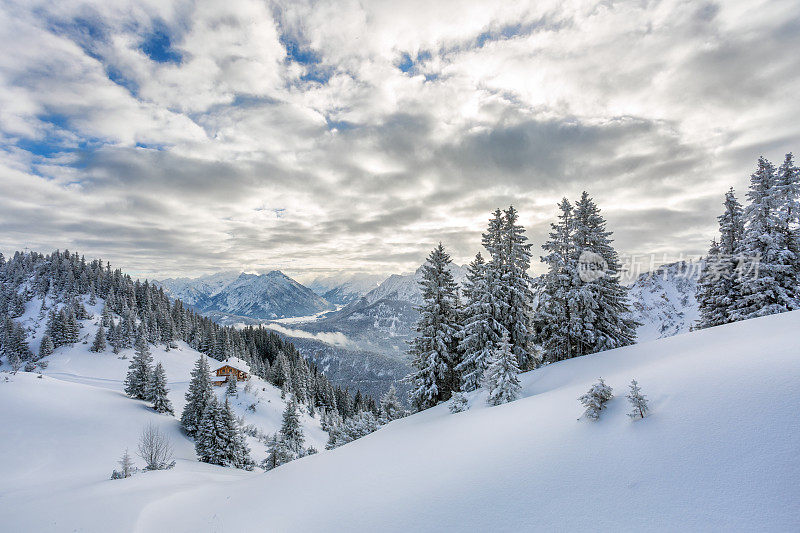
x=55, y=328
x=105, y=316
x=433, y=351
x=599, y=307
x=595, y=400
x=157, y=391
x=139, y=371
x=552, y=317
x=458, y=403
x=767, y=278
x=99, y=344
x=517, y=294
x=717, y=287
x=198, y=396
x=478, y=333
x=788, y=191
x=291, y=430
x=126, y=467
x=637, y=400
x=277, y=453
x=500, y=379
x=46, y=347
x=391, y=408
x=231, y=389
x=209, y=443
x=353, y=428
x=237, y=453
x=280, y=371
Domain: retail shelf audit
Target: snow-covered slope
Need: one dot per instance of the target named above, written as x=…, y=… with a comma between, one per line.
x=663, y=301
x=261, y=296
x=717, y=453
x=61, y=434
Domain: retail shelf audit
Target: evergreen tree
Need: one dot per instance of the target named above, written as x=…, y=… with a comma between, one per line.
x=231, y=390
x=198, y=396
x=501, y=379
x=291, y=431
x=595, y=400
x=136, y=382
x=433, y=352
x=237, y=453
x=788, y=192
x=599, y=309
x=391, y=408
x=458, y=403
x=516, y=288
x=717, y=287
x=767, y=280
x=478, y=334
x=209, y=441
x=127, y=468
x=277, y=453
x=157, y=391
x=552, y=317
x=280, y=372
x=99, y=344
x=46, y=347
x=637, y=400
x=105, y=316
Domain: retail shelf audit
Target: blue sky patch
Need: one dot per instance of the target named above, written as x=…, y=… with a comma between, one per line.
x=158, y=45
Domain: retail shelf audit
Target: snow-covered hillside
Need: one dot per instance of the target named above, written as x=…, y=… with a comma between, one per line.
x=63, y=431
x=663, y=301
x=260, y=296
x=718, y=452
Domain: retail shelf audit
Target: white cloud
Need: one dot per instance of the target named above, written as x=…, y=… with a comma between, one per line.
x=655, y=108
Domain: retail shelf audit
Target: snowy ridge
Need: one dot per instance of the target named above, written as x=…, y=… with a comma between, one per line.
x=717, y=452
x=663, y=301
x=405, y=287
x=343, y=290
x=261, y=296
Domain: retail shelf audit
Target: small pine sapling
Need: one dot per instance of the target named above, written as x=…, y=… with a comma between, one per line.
x=595, y=400
x=638, y=401
x=458, y=403
x=127, y=468
x=232, y=390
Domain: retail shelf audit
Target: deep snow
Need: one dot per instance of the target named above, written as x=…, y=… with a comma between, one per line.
x=718, y=452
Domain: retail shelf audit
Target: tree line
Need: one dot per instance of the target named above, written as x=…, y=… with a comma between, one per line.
x=501, y=322
x=64, y=283
x=752, y=267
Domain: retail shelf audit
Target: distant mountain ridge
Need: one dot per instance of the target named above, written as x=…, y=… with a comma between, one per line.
x=383, y=319
x=343, y=290
x=664, y=301
x=260, y=296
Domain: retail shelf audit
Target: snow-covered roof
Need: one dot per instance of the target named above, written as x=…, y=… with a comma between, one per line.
x=235, y=362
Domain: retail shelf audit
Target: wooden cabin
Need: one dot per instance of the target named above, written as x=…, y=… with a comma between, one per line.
x=231, y=368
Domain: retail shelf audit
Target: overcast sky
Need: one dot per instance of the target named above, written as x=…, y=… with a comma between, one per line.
x=186, y=137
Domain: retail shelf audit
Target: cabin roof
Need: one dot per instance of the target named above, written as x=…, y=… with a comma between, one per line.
x=234, y=362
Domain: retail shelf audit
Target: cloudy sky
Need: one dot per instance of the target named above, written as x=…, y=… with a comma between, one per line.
x=313, y=137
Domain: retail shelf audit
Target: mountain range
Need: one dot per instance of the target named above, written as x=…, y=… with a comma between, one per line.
x=343, y=290
x=270, y=296
x=357, y=331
